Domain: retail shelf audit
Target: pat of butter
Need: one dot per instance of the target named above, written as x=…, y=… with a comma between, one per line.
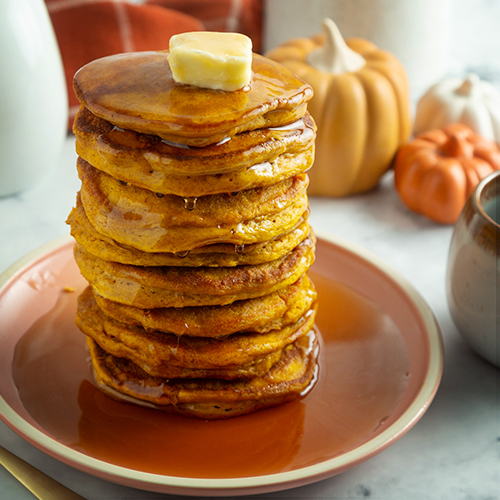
x=212, y=60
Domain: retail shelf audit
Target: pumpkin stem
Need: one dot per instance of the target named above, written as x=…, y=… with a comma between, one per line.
x=335, y=56
x=471, y=81
x=456, y=147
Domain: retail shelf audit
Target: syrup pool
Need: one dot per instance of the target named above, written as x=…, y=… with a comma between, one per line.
x=363, y=374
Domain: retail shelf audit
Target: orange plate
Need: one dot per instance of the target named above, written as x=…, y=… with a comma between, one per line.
x=380, y=364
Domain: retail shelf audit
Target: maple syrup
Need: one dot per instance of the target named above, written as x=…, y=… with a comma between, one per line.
x=136, y=91
x=363, y=374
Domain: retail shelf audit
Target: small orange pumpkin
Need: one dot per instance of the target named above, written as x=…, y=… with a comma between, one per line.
x=436, y=172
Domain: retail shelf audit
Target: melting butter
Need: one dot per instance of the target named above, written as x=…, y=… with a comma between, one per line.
x=213, y=60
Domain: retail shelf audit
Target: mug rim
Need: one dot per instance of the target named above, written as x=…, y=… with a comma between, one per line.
x=492, y=177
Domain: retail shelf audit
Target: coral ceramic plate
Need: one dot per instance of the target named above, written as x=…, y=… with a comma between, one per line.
x=380, y=364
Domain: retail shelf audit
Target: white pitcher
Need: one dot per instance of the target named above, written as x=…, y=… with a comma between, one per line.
x=34, y=101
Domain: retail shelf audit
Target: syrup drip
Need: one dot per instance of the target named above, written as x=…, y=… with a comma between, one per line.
x=262, y=169
x=183, y=254
x=190, y=203
x=175, y=144
x=298, y=124
x=160, y=195
x=223, y=141
x=239, y=248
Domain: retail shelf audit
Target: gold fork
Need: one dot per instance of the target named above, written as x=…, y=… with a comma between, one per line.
x=41, y=485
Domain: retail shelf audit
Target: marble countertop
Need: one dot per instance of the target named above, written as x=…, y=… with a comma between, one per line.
x=453, y=452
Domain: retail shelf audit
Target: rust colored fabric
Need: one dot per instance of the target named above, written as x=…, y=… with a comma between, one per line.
x=90, y=29
x=242, y=16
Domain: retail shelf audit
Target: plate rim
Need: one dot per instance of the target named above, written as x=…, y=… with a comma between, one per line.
x=252, y=484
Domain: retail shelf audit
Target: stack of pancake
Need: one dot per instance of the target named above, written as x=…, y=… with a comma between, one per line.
x=191, y=227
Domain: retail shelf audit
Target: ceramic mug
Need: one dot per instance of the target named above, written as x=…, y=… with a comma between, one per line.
x=473, y=272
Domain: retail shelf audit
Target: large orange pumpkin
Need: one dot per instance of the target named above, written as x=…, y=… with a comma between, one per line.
x=360, y=104
x=436, y=172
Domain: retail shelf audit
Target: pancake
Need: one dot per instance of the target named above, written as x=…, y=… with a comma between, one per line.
x=151, y=287
x=136, y=91
x=131, y=203
x=138, y=218
x=262, y=314
x=252, y=159
x=215, y=255
x=192, y=230
x=167, y=355
x=210, y=398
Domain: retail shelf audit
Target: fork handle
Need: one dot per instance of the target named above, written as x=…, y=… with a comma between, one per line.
x=41, y=485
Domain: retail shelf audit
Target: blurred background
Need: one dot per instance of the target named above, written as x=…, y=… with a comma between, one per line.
x=432, y=38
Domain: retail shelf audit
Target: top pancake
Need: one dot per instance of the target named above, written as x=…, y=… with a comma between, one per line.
x=136, y=91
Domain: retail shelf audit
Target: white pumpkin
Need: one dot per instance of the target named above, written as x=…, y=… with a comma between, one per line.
x=470, y=101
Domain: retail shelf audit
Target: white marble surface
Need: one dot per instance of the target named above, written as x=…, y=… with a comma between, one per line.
x=454, y=450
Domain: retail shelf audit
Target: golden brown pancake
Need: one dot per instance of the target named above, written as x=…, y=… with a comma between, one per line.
x=262, y=314
x=225, y=255
x=151, y=287
x=168, y=355
x=173, y=211
x=192, y=231
x=138, y=218
x=252, y=159
x=209, y=398
x=136, y=91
